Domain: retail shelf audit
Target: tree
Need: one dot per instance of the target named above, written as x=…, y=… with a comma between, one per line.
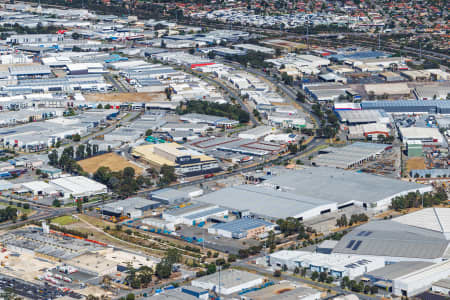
x=76, y=35
x=88, y=150
x=128, y=172
x=76, y=137
x=345, y=283
x=211, y=269
x=173, y=256
x=271, y=243
x=80, y=153
x=211, y=55
x=232, y=258
x=303, y=272
x=168, y=174
x=56, y=203
x=373, y=289
x=300, y=97
x=102, y=175
x=130, y=296
x=53, y=158
x=293, y=148
x=227, y=110
x=79, y=205
x=145, y=275
x=148, y=132
x=163, y=269
x=314, y=275
x=94, y=149
x=277, y=273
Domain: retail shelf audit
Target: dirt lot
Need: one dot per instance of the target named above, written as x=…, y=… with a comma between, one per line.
x=415, y=163
x=112, y=160
x=24, y=266
x=126, y=97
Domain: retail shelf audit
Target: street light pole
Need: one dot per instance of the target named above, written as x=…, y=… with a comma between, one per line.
x=220, y=268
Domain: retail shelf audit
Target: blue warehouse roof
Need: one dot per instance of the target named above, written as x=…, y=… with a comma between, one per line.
x=242, y=225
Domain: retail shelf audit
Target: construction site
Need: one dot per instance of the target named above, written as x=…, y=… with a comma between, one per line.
x=65, y=261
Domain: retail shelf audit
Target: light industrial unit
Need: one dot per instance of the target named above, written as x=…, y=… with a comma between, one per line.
x=242, y=228
x=336, y=265
x=133, y=207
x=194, y=214
x=230, y=281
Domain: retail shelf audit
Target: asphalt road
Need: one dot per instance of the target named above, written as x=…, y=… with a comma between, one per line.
x=117, y=85
x=288, y=91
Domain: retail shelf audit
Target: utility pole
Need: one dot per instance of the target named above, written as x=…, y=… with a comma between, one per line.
x=420, y=48
x=220, y=268
x=379, y=40
x=307, y=35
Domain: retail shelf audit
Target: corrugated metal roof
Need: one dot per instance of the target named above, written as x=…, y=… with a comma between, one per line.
x=390, y=238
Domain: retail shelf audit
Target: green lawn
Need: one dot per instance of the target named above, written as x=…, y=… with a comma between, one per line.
x=64, y=220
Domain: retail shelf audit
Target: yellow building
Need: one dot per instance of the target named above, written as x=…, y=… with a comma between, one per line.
x=186, y=161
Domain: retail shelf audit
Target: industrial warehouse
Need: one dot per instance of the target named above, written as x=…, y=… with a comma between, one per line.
x=349, y=156
x=422, y=235
x=186, y=161
x=311, y=192
x=229, y=282
x=130, y=208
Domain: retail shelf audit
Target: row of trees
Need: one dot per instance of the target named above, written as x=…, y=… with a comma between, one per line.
x=321, y=277
x=8, y=213
x=230, y=111
x=291, y=226
x=66, y=162
x=354, y=219
x=167, y=175
x=252, y=58
x=122, y=182
x=416, y=199
x=358, y=287
x=329, y=122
